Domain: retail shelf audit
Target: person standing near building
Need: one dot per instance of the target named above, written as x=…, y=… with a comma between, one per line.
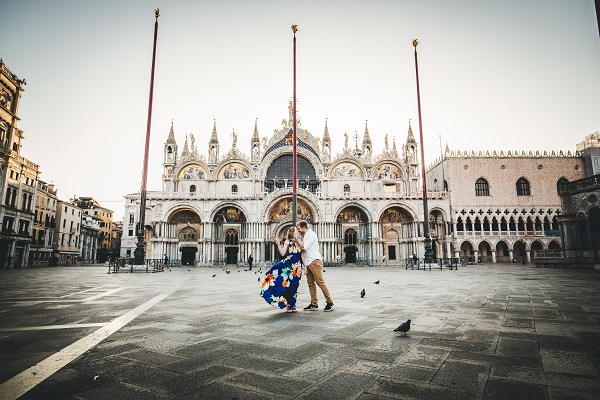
x=250, y=261
x=314, y=267
x=166, y=260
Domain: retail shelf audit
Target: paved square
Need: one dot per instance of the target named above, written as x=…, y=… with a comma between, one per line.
x=483, y=332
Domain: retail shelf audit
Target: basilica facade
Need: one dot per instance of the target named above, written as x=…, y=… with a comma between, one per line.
x=218, y=208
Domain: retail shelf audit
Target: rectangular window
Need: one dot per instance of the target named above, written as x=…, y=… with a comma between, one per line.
x=64, y=223
x=131, y=232
x=131, y=218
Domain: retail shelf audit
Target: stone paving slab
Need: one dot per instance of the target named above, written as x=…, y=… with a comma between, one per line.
x=497, y=331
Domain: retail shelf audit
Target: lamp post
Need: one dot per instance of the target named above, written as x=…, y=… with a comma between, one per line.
x=294, y=170
x=427, y=241
x=140, y=247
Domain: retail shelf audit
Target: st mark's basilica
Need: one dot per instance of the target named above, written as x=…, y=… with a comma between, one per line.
x=366, y=206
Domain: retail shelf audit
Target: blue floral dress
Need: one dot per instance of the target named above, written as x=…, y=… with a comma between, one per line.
x=279, y=286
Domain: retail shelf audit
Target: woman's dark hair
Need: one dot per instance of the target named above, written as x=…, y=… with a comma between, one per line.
x=290, y=234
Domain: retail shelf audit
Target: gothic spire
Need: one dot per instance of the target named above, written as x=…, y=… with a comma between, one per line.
x=394, y=149
x=410, y=138
x=186, y=150
x=366, y=136
x=255, y=137
x=171, y=138
x=213, y=137
x=326, y=137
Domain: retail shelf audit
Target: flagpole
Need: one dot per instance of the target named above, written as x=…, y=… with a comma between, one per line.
x=427, y=242
x=294, y=154
x=140, y=249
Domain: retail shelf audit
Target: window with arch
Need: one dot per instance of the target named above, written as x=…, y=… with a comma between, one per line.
x=234, y=188
x=346, y=188
x=193, y=189
x=350, y=237
x=523, y=187
x=482, y=187
x=445, y=185
x=231, y=237
x=188, y=233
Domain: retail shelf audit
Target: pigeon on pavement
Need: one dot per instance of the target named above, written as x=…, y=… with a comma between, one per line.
x=403, y=328
x=214, y=275
x=376, y=282
x=362, y=293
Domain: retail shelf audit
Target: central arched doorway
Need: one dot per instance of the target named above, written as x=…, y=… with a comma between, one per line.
x=352, y=222
x=229, y=225
x=350, y=248
x=187, y=239
x=231, y=246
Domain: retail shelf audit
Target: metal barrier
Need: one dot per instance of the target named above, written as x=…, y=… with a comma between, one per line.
x=149, y=265
x=422, y=263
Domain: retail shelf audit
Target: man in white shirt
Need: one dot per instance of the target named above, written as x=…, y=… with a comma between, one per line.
x=314, y=267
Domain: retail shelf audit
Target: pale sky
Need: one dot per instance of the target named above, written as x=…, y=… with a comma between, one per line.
x=494, y=75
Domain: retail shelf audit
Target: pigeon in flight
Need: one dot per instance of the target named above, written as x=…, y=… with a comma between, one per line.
x=227, y=272
x=362, y=294
x=403, y=328
x=376, y=282
x=214, y=275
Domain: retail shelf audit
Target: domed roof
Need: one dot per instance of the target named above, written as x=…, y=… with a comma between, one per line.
x=284, y=136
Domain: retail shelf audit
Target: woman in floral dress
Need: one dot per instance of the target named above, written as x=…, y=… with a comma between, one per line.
x=279, y=286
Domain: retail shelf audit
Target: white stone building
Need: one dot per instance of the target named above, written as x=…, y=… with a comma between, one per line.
x=219, y=208
x=67, y=233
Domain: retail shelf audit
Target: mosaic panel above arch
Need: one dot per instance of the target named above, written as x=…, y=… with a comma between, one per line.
x=387, y=171
x=352, y=215
x=234, y=171
x=394, y=215
x=185, y=217
x=230, y=215
x=192, y=172
x=346, y=170
x=282, y=210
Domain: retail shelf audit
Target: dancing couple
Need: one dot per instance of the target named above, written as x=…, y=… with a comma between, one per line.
x=279, y=286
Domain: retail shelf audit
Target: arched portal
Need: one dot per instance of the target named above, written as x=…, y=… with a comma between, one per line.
x=229, y=222
x=466, y=251
x=485, y=252
x=536, y=246
x=352, y=222
x=186, y=226
x=398, y=231
x=502, y=252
